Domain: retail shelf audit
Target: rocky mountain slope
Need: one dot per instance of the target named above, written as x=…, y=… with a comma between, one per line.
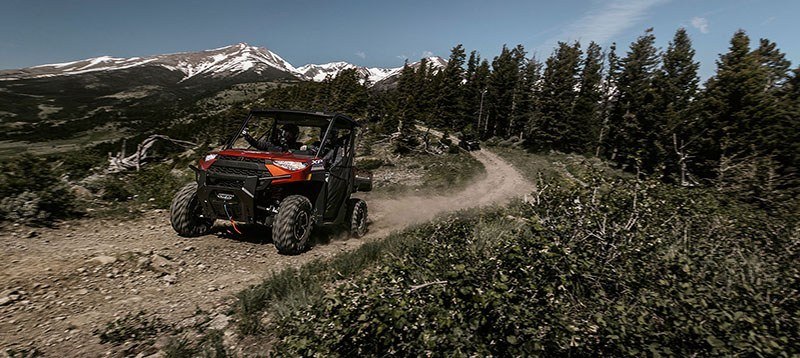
x=216, y=63
x=224, y=62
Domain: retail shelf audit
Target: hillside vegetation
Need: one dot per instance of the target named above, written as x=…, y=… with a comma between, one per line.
x=592, y=263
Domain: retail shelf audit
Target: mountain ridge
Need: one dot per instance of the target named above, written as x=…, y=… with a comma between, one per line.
x=223, y=62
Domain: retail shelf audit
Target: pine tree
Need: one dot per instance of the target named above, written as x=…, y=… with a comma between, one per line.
x=346, y=93
x=560, y=80
x=775, y=63
x=423, y=102
x=610, y=90
x=586, y=117
x=528, y=98
x=483, y=75
x=736, y=108
x=634, y=132
x=404, y=99
x=500, y=95
x=780, y=135
x=471, y=89
x=450, y=105
x=472, y=65
x=677, y=83
x=789, y=153
x=522, y=97
x=478, y=73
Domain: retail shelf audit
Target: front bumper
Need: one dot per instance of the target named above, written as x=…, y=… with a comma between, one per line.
x=231, y=197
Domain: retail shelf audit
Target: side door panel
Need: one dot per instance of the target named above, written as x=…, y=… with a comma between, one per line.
x=340, y=178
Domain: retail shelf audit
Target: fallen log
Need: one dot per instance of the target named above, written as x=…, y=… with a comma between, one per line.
x=121, y=163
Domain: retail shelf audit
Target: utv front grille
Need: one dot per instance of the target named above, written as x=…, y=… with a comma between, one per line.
x=241, y=159
x=217, y=169
x=235, y=184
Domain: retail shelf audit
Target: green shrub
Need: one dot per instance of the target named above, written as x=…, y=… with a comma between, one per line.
x=78, y=164
x=453, y=149
x=617, y=267
x=454, y=170
x=115, y=189
x=155, y=185
x=33, y=193
x=291, y=289
x=210, y=346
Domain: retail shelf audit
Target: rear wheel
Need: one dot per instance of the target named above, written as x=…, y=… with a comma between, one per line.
x=185, y=211
x=357, y=215
x=292, y=225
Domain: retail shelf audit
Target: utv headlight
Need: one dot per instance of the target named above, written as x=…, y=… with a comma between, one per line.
x=209, y=157
x=290, y=165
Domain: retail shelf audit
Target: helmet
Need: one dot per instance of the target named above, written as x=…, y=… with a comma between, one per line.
x=291, y=128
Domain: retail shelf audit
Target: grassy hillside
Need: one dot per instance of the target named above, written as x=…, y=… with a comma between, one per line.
x=591, y=264
x=57, y=113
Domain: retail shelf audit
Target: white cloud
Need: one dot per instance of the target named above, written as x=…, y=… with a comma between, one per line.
x=402, y=57
x=427, y=54
x=700, y=23
x=604, y=23
x=361, y=54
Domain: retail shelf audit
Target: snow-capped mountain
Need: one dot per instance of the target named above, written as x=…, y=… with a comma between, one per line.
x=374, y=75
x=318, y=73
x=390, y=80
x=224, y=62
x=220, y=62
x=227, y=60
x=435, y=62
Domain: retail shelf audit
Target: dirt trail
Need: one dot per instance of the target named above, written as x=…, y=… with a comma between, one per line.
x=500, y=183
x=59, y=285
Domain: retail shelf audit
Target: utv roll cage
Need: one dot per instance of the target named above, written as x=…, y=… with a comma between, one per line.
x=328, y=121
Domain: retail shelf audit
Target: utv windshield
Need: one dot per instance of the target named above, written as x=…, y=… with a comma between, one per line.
x=267, y=134
x=260, y=129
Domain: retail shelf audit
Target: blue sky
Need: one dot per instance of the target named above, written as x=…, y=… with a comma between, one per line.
x=375, y=33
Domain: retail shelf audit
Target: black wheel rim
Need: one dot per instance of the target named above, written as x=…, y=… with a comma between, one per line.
x=300, y=225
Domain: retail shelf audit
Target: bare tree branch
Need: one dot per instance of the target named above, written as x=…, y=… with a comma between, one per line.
x=120, y=162
x=417, y=287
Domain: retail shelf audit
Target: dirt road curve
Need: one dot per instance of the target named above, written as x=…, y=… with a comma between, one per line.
x=59, y=285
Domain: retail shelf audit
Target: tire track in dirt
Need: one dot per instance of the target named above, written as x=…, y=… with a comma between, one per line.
x=69, y=289
x=500, y=183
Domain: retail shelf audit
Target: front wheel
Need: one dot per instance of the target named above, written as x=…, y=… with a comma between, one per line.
x=292, y=225
x=357, y=215
x=185, y=211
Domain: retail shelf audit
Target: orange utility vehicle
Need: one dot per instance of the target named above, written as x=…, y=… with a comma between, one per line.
x=290, y=170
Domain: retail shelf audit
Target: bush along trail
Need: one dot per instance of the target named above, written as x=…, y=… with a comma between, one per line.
x=93, y=286
x=591, y=264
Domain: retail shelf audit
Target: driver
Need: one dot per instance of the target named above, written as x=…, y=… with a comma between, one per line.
x=288, y=138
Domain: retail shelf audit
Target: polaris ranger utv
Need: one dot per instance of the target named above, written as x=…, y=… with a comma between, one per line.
x=289, y=170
